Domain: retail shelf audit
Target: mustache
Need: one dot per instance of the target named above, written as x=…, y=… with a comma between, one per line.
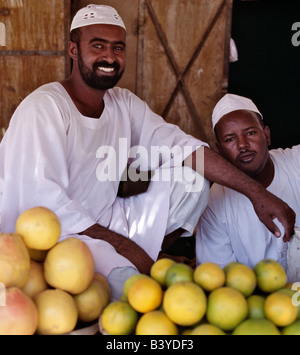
x=104, y=64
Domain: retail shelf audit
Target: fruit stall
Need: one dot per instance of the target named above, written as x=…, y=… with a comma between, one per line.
x=50, y=287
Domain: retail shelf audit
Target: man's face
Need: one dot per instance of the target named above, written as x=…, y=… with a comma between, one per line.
x=243, y=141
x=102, y=55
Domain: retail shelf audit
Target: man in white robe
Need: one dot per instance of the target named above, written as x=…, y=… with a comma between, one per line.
x=69, y=143
x=229, y=230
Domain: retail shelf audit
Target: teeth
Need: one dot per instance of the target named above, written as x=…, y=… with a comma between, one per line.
x=106, y=70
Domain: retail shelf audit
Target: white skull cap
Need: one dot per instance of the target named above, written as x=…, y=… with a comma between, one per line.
x=230, y=103
x=97, y=15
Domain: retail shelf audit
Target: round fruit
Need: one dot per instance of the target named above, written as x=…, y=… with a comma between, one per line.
x=119, y=318
x=57, y=312
x=156, y=323
x=39, y=227
x=91, y=302
x=292, y=329
x=280, y=310
x=230, y=265
x=103, y=281
x=185, y=303
x=294, y=296
x=241, y=278
x=129, y=282
x=19, y=316
x=256, y=327
x=177, y=273
x=256, y=304
x=271, y=276
x=209, y=276
x=207, y=329
x=36, y=282
x=14, y=261
x=145, y=295
x=69, y=266
x=159, y=269
x=227, y=308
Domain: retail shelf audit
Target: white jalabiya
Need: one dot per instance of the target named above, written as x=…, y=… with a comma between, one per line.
x=53, y=156
x=229, y=230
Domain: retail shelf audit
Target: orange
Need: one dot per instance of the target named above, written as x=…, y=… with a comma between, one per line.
x=69, y=265
x=156, y=323
x=36, y=282
x=207, y=329
x=119, y=318
x=39, y=227
x=209, y=276
x=159, y=269
x=185, y=303
x=280, y=310
x=256, y=305
x=177, y=273
x=129, y=282
x=145, y=295
x=227, y=308
x=270, y=275
x=256, y=327
x=292, y=329
x=57, y=312
x=230, y=265
x=294, y=295
x=14, y=261
x=241, y=278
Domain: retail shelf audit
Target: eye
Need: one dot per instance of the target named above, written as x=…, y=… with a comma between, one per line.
x=230, y=139
x=119, y=49
x=251, y=133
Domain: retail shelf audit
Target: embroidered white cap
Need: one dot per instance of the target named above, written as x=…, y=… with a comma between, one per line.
x=97, y=15
x=230, y=103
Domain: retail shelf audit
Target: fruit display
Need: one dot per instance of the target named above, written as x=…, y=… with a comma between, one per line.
x=208, y=300
x=50, y=286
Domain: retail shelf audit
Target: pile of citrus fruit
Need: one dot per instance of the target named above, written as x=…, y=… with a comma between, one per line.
x=50, y=287
x=178, y=300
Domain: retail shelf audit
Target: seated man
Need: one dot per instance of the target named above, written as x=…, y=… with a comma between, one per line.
x=229, y=229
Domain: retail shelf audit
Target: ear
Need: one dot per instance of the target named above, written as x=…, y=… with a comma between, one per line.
x=267, y=133
x=73, y=50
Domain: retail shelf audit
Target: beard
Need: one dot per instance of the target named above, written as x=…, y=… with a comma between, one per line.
x=95, y=81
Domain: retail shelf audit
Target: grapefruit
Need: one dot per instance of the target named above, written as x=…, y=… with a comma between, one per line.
x=292, y=329
x=36, y=282
x=145, y=295
x=185, y=303
x=271, y=276
x=118, y=318
x=156, y=323
x=227, y=308
x=129, y=282
x=57, y=312
x=14, y=261
x=241, y=278
x=256, y=327
x=178, y=272
x=39, y=227
x=103, y=281
x=207, y=329
x=209, y=276
x=256, y=304
x=159, y=269
x=19, y=316
x=69, y=266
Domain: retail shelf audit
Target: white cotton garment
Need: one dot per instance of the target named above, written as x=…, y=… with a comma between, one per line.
x=53, y=156
x=229, y=229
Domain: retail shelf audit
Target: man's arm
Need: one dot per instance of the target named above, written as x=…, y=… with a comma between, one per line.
x=266, y=205
x=124, y=246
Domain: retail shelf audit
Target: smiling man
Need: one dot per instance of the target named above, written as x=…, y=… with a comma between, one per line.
x=69, y=143
x=229, y=229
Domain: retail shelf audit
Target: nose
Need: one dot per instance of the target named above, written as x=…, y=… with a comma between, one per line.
x=243, y=143
x=108, y=55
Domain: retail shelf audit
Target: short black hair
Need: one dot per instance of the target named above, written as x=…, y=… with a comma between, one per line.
x=75, y=36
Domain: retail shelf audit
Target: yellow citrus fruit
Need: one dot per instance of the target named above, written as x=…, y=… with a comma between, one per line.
x=209, y=276
x=292, y=293
x=230, y=265
x=119, y=318
x=39, y=227
x=241, y=278
x=207, y=329
x=177, y=273
x=292, y=329
x=103, y=281
x=156, y=323
x=129, y=282
x=91, y=302
x=36, y=282
x=270, y=275
x=256, y=327
x=69, y=265
x=226, y=308
x=280, y=310
x=145, y=295
x=14, y=261
x=256, y=304
x=57, y=312
x=185, y=303
x=159, y=269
